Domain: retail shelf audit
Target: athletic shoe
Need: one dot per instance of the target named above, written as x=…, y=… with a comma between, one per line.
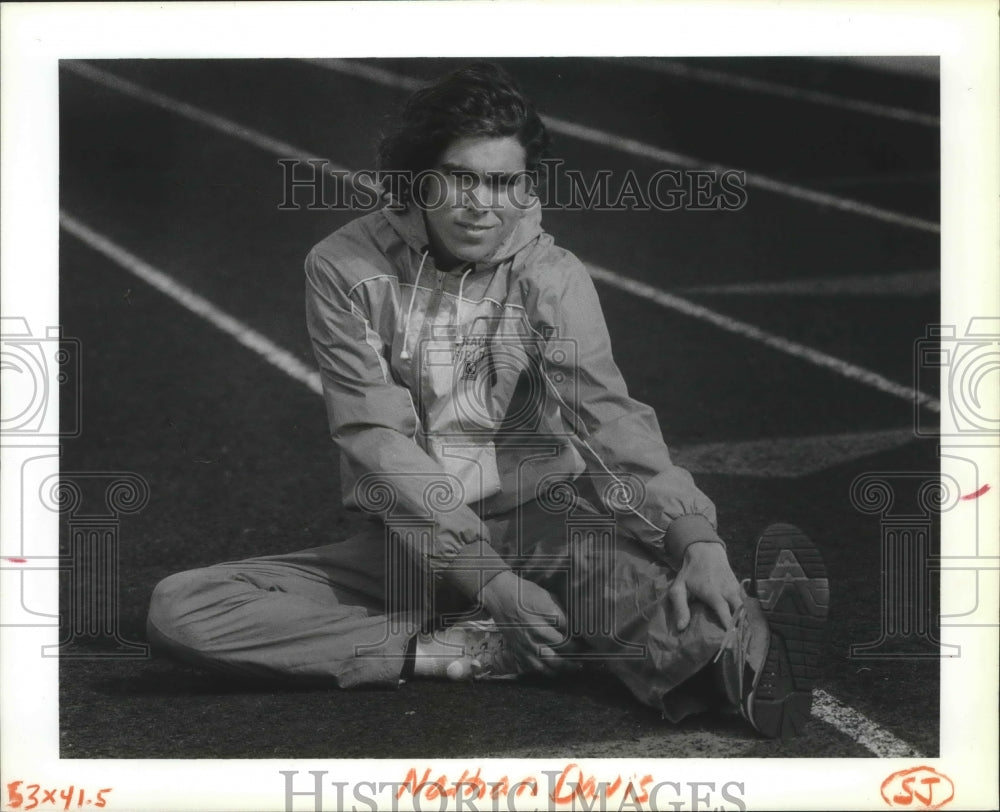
x=472, y=649
x=771, y=664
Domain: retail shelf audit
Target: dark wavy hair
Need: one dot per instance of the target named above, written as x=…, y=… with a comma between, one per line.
x=477, y=100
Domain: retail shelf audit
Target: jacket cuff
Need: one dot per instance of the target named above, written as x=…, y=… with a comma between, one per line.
x=684, y=531
x=474, y=566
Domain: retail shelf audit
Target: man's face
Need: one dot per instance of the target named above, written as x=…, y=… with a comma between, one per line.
x=474, y=199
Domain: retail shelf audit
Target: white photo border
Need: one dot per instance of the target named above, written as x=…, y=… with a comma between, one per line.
x=963, y=34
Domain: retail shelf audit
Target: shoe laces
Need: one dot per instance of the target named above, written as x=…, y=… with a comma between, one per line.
x=733, y=636
x=737, y=640
x=489, y=654
x=733, y=633
x=485, y=646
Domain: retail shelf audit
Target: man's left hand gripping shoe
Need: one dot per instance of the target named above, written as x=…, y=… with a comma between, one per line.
x=771, y=663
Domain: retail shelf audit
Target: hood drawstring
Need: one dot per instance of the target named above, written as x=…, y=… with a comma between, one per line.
x=405, y=353
x=458, y=309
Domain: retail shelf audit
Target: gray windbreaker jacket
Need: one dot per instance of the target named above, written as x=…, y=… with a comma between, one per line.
x=456, y=396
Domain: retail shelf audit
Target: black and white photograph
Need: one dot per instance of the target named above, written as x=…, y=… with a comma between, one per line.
x=460, y=422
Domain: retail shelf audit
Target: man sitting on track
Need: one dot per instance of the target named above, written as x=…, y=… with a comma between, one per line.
x=528, y=517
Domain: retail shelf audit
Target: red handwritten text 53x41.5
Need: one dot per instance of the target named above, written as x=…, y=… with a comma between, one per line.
x=26, y=797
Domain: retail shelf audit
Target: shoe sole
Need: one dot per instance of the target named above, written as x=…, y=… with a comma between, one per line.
x=791, y=584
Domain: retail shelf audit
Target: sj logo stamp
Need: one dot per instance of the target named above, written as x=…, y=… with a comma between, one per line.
x=918, y=788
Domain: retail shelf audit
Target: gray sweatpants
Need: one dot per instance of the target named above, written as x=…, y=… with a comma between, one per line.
x=345, y=613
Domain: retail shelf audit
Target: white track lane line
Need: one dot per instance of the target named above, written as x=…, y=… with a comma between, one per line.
x=187, y=298
x=656, y=154
x=742, y=328
x=902, y=283
x=608, y=277
x=850, y=722
x=198, y=114
x=717, y=77
x=860, y=728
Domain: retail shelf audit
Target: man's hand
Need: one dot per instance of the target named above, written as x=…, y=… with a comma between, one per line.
x=706, y=576
x=531, y=621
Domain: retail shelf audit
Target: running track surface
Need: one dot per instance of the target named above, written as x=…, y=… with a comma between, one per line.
x=775, y=343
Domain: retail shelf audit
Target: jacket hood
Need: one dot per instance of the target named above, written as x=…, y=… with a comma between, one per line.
x=409, y=224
